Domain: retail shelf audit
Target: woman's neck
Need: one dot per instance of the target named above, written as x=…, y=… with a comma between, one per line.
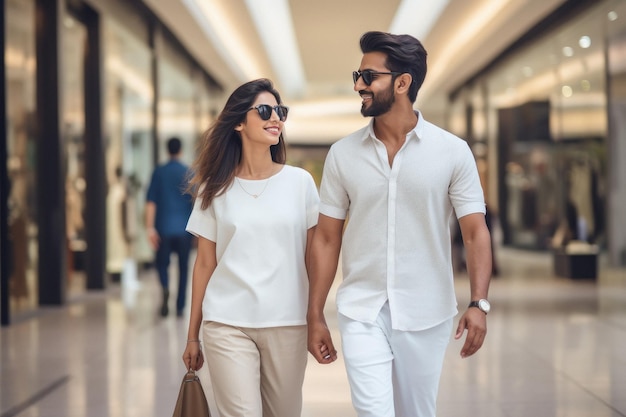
x=257, y=169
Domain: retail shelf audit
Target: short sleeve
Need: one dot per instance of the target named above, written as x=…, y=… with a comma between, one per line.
x=312, y=202
x=202, y=223
x=334, y=201
x=153, y=187
x=466, y=193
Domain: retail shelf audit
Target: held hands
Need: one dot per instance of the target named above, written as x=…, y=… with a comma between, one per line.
x=192, y=357
x=475, y=321
x=320, y=344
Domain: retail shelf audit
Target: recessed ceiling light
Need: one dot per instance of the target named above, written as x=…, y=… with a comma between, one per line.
x=585, y=85
x=568, y=51
x=567, y=91
x=584, y=42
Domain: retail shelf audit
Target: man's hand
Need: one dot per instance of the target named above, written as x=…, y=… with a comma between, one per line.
x=475, y=321
x=320, y=344
x=154, y=238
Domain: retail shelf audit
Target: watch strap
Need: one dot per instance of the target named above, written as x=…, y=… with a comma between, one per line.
x=477, y=305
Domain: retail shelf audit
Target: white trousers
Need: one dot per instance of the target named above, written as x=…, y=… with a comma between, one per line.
x=256, y=372
x=393, y=373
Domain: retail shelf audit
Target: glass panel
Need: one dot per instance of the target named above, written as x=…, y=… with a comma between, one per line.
x=177, y=116
x=616, y=22
x=74, y=39
x=550, y=111
x=205, y=104
x=580, y=128
x=128, y=108
x=177, y=107
x=456, y=116
x=21, y=163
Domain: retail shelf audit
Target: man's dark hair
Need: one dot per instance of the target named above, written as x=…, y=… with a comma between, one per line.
x=404, y=54
x=173, y=146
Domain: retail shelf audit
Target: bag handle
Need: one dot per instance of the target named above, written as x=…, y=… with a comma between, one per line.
x=191, y=376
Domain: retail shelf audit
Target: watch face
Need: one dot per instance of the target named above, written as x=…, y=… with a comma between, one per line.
x=484, y=305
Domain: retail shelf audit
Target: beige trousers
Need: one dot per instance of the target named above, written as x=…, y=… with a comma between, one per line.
x=256, y=372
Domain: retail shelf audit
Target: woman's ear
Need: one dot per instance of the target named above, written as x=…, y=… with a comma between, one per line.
x=239, y=127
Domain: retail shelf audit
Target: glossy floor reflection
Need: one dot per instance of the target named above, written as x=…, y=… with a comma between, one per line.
x=555, y=347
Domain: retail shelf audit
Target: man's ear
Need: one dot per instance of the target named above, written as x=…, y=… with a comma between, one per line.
x=403, y=82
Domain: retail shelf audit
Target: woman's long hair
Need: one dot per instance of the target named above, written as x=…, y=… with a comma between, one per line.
x=220, y=149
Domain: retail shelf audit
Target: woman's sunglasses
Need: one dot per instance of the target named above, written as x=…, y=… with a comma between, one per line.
x=265, y=111
x=369, y=75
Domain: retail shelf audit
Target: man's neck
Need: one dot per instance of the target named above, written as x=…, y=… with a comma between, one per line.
x=394, y=125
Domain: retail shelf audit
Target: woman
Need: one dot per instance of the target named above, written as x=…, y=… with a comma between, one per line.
x=254, y=217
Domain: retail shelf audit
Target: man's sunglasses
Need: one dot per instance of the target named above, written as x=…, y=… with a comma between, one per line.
x=265, y=111
x=369, y=75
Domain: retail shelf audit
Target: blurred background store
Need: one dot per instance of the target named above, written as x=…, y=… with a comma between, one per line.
x=93, y=88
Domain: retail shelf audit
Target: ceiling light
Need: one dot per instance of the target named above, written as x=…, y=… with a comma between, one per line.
x=416, y=17
x=471, y=27
x=585, y=85
x=567, y=91
x=273, y=22
x=584, y=42
x=527, y=71
x=227, y=40
x=568, y=51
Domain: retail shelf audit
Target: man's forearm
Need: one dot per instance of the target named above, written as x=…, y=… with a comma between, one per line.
x=479, y=259
x=322, y=271
x=150, y=215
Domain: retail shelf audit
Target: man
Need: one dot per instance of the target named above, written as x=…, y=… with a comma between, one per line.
x=167, y=211
x=399, y=178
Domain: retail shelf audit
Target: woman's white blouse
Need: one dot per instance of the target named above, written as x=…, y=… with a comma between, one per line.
x=260, y=279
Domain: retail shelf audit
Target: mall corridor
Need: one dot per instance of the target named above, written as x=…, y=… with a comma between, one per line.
x=555, y=347
x=93, y=90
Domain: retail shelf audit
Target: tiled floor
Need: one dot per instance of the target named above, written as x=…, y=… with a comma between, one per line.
x=555, y=347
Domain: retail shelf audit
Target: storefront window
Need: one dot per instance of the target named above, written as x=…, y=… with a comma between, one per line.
x=177, y=105
x=456, y=116
x=73, y=133
x=129, y=98
x=549, y=111
x=21, y=163
x=206, y=95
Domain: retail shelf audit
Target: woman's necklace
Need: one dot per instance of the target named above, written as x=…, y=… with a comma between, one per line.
x=251, y=194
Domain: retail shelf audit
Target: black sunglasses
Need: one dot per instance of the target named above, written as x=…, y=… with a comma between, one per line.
x=265, y=111
x=369, y=75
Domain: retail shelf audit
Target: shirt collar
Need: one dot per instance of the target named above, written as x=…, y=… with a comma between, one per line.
x=415, y=133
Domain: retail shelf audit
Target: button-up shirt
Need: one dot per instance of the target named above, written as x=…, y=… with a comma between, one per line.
x=396, y=244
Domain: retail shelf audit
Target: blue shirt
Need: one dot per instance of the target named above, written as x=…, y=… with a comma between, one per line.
x=167, y=191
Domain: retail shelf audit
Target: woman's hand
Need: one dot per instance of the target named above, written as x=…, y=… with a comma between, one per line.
x=192, y=357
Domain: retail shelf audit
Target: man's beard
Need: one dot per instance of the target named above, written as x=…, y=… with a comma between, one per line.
x=379, y=105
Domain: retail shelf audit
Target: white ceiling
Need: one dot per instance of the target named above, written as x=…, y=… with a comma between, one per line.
x=309, y=48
